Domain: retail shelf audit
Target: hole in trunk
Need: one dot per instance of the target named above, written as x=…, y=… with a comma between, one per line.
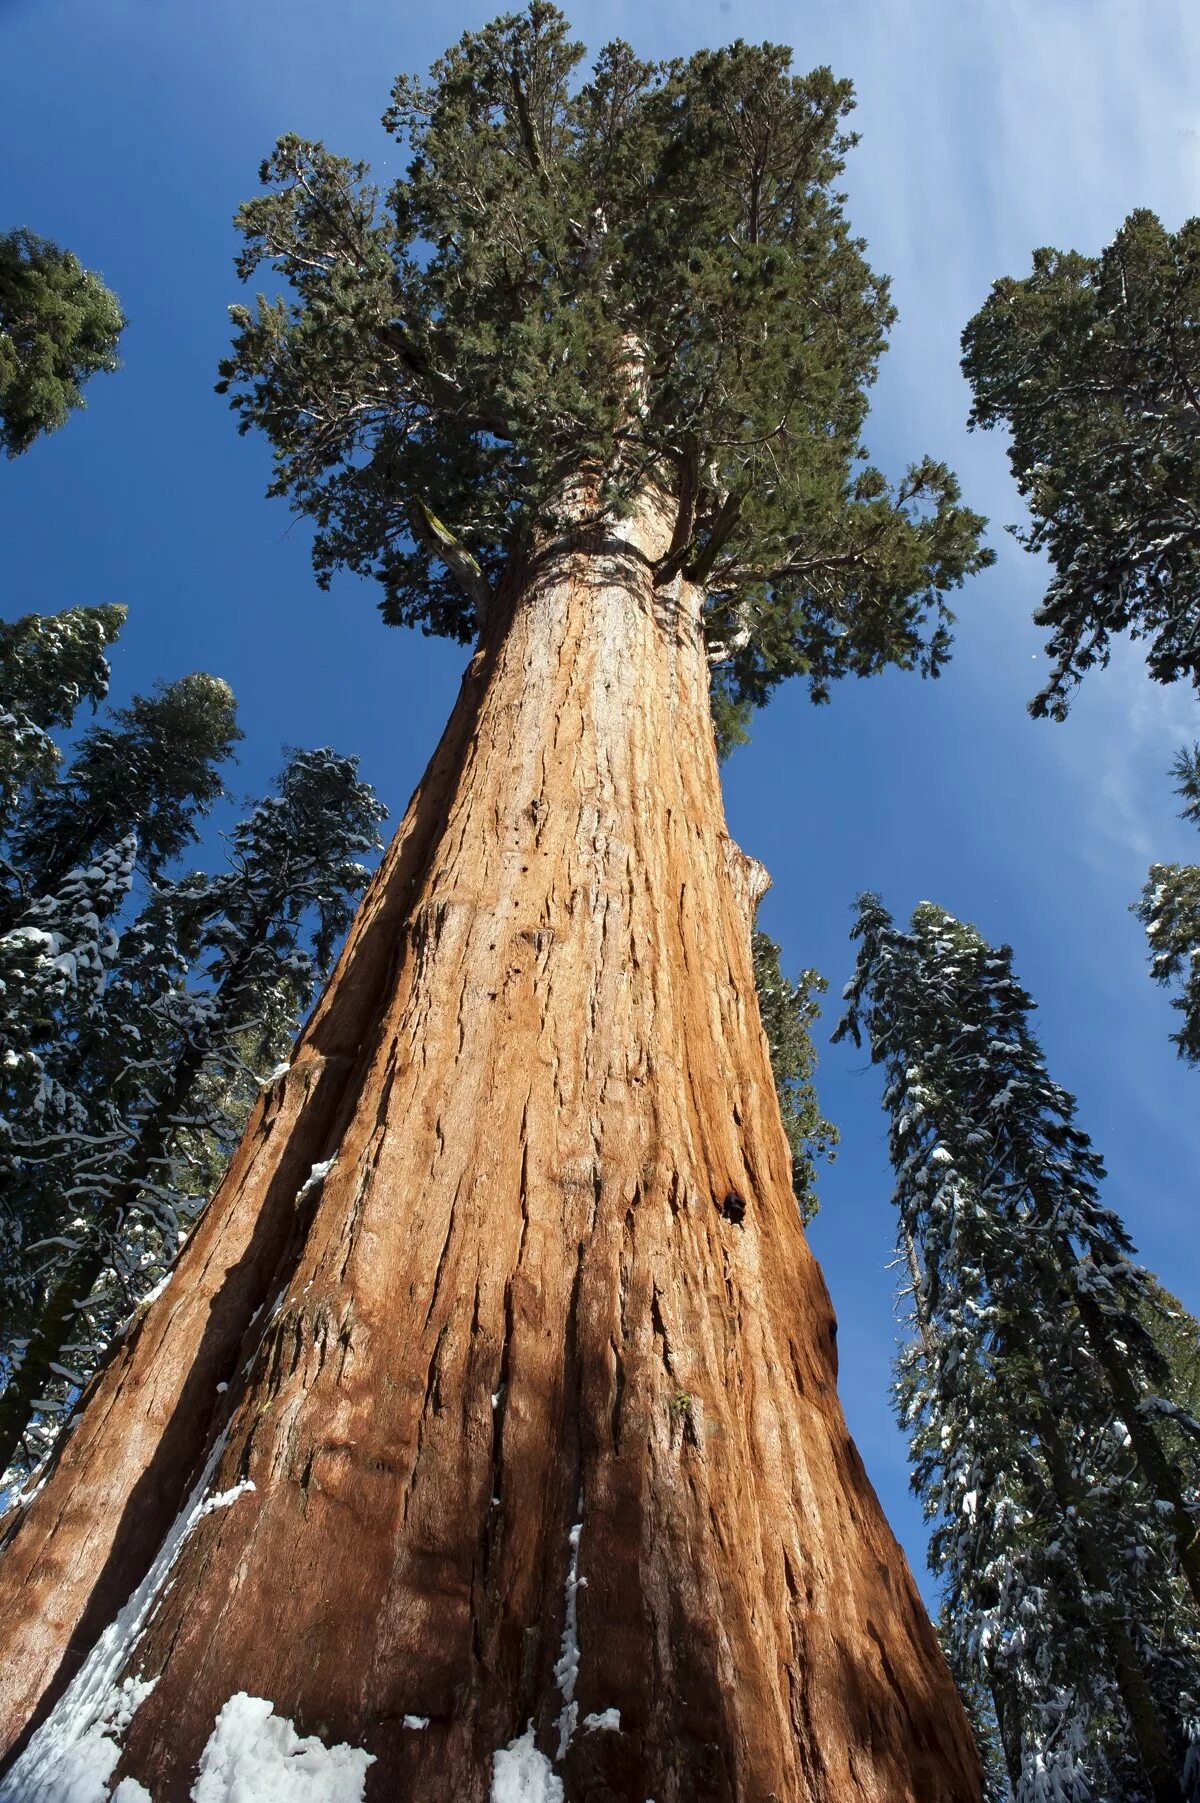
x=734, y=1209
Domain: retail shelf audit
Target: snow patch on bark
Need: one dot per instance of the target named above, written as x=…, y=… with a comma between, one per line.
x=223, y=1498
x=609, y=1719
x=566, y=1670
x=256, y=1756
x=317, y=1175
x=520, y=1774
x=82, y=1762
x=73, y=1754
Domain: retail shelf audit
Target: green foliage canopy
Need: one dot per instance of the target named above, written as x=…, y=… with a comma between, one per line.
x=59, y=324
x=1093, y=364
x=1169, y=910
x=646, y=272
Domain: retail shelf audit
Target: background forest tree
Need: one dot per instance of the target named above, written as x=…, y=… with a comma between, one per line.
x=1093, y=364
x=1170, y=912
x=59, y=325
x=140, y=1010
x=1042, y=1385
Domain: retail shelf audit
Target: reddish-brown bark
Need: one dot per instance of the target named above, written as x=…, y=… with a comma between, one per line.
x=555, y=1276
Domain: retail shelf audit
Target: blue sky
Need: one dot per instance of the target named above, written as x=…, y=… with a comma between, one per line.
x=131, y=130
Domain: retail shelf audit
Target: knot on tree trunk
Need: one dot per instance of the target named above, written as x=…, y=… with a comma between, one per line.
x=750, y=879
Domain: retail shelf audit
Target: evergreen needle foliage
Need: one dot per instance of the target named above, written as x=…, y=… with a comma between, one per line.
x=137, y=1024
x=644, y=272
x=59, y=324
x=788, y=1012
x=1050, y=1436
x=151, y=771
x=1170, y=912
x=50, y=664
x=1093, y=365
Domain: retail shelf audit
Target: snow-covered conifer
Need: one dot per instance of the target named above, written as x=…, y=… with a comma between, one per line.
x=1063, y=1521
x=150, y=771
x=131, y=791
x=53, y=967
x=210, y=983
x=49, y=665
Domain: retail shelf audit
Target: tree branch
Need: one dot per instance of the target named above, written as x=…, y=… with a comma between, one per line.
x=436, y=538
x=441, y=390
x=680, y=547
x=722, y=529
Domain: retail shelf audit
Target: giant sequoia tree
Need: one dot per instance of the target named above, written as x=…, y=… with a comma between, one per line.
x=493, y=1399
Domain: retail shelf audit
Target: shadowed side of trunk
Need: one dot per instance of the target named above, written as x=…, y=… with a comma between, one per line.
x=541, y=1424
x=116, y=1482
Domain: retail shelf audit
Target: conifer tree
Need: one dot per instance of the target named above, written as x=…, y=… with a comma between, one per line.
x=1170, y=912
x=131, y=792
x=788, y=1012
x=53, y=969
x=505, y=1310
x=59, y=325
x=1093, y=365
x=151, y=772
x=212, y=969
x=1064, y=1520
x=49, y=665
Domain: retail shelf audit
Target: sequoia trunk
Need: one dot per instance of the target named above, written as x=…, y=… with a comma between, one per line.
x=534, y=1384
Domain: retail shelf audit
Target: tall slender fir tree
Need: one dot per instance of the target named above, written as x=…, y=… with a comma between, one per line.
x=50, y=664
x=788, y=1012
x=151, y=771
x=131, y=794
x=1065, y=1518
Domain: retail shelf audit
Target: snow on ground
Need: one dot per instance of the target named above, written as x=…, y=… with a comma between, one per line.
x=81, y=1762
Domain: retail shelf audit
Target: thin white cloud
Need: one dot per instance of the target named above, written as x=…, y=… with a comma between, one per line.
x=1120, y=747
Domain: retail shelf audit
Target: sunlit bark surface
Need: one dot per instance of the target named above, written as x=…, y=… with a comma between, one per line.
x=554, y=1277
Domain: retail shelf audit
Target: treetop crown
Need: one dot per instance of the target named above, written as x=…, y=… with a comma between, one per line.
x=645, y=269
